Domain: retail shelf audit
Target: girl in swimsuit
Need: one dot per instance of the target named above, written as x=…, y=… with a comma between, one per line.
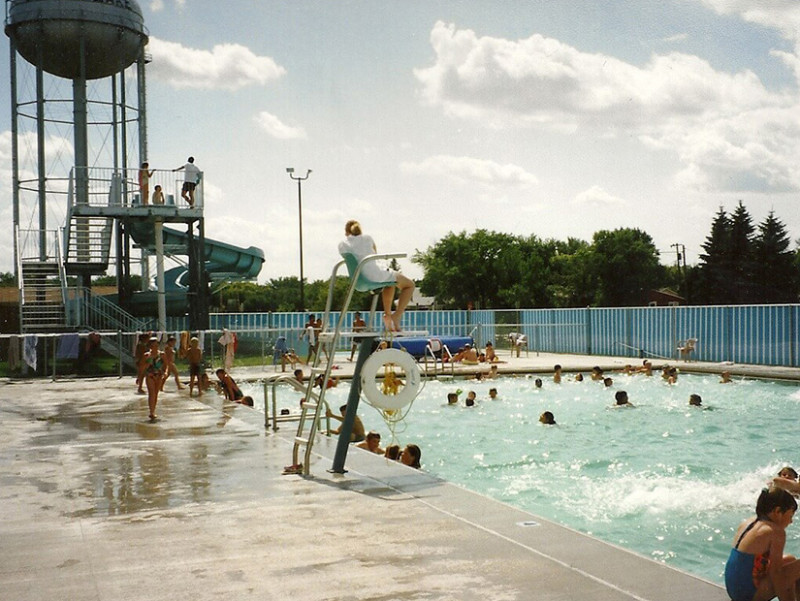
x=154, y=375
x=757, y=569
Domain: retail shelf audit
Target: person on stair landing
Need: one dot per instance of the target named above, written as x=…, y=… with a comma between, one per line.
x=360, y=245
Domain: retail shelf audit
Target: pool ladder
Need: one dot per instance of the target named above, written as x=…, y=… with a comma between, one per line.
x=311, y=409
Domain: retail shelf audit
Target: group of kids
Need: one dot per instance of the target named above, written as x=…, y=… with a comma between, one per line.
x=154, y=366
x=669, y=374
x=757, y=569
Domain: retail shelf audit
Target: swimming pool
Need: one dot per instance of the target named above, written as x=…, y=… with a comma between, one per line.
x=666, y=480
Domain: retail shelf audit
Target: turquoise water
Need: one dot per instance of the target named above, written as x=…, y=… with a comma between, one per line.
x=666, y=480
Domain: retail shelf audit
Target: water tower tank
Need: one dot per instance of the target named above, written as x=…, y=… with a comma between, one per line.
x=52, y=34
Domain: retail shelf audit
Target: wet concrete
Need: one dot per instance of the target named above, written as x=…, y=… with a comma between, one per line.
x=100, y=504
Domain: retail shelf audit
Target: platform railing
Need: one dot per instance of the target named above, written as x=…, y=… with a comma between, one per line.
x=120, y=188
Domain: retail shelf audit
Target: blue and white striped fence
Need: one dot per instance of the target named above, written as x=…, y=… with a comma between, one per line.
x=756, y=334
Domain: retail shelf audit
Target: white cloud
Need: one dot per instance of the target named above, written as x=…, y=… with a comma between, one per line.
x=473, y=171
x=596, y=196
x=782, y=15
x=277, y=129
x=678, y=37
x=158, y=5
x=677, y=102
x=225, y=66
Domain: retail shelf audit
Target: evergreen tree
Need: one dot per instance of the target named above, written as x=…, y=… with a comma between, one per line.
x=741, y=258
x=712, y=282
x=776, y=278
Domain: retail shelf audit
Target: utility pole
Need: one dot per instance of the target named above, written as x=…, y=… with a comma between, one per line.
x=680, y=252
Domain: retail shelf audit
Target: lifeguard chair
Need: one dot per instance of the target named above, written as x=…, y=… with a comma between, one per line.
x=330, y=334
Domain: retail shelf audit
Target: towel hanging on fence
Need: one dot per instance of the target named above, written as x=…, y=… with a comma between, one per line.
x=68, y=346
x=228, y=340
x=29, y=352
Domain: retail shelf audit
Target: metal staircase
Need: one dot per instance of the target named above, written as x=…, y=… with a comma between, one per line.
x=311, y=410
x=94, y=312
x=42, y=282
x=87, y=243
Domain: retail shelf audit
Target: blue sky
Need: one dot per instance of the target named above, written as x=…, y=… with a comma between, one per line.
x=418, y=118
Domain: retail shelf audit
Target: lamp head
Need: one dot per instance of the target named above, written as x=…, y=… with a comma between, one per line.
x=290, y=170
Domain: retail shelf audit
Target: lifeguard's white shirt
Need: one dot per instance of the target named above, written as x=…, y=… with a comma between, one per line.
x=364, y=245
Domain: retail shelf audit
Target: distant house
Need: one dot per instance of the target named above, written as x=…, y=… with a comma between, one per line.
x=664, y=297
x=421, y=303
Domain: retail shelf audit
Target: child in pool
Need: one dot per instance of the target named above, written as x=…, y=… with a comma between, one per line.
x=757, y=569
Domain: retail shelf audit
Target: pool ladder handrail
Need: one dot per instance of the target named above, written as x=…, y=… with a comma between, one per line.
x=272, y=383
x=429, y=353
x=307, y=429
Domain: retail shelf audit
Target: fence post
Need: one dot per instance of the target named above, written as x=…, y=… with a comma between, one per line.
x=588, y=330
x=119, y=353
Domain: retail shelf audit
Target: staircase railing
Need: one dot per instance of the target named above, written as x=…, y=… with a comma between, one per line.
x=20, y=279
x=102, y=314
x=62, y=274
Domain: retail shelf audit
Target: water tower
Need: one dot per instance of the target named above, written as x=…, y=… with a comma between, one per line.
x=58, y=133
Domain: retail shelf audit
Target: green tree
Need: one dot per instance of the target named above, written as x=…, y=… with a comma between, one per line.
x=712, y=282
x=741, y=262
x=7, y=280
x=570, y=283
x=488, y=269
x=776, y=278
x=625, y=267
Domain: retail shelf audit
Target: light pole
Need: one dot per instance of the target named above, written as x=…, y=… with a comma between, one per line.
x=300, y=180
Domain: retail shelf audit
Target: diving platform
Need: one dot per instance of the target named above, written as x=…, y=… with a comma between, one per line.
x=168, y=213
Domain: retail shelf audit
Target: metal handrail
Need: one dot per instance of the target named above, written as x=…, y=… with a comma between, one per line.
x=114, y=317
x=20, y=279
x=297, y=385
x=62, y=274
x=109, y=186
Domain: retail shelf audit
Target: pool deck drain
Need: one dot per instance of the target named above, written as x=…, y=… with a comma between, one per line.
x=99, y=504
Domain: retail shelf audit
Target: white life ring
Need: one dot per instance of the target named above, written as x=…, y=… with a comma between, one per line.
x=372, y=388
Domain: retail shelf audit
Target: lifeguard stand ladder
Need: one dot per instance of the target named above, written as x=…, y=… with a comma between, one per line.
x=329, y=337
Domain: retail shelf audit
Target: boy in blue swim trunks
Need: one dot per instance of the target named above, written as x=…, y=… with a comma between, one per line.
x=757, y=569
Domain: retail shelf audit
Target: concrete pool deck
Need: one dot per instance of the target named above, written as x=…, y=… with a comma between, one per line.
x=99, y=504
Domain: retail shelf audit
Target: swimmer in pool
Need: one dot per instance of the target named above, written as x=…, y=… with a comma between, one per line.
x=787, y=480
x=357, y=435
x=788, y=472
x=557, y=374
x=695, y=400
x=547, y=418
x=411, y=456
x=372, y=443
x=621, y=398
x=757, y=569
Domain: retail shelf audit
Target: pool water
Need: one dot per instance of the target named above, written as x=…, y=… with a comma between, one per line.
x=669, y=481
